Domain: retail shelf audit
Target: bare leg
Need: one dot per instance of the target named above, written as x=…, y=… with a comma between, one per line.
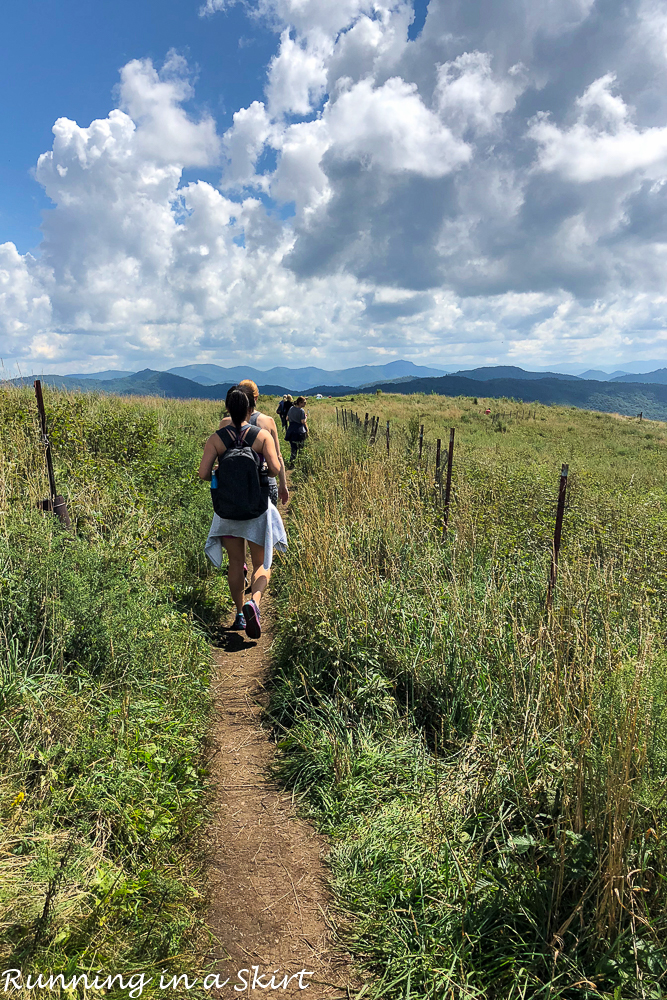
x=260, y=576
x=236, y=552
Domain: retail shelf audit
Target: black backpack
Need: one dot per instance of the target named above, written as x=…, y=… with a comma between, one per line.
x=238, y=494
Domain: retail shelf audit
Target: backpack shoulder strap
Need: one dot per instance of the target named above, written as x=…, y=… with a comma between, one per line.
x=251, y=434
x=231, y=438
x=227, y=435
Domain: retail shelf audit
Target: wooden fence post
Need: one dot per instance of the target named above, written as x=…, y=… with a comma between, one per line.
x=437, y=462
x=558, y=528
x=387, y=437
x=448, y=485
x=366, y=424
x=55, y=503
x=421, y=442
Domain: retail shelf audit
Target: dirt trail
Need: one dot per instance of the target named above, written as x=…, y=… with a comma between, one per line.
x=268, y=891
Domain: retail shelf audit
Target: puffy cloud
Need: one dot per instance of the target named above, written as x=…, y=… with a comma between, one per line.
x=297, y=74
x=390, y=128
x=603, y=142
x=25, y=306
x=154, y=101
x=243, y=143
x=468, y=96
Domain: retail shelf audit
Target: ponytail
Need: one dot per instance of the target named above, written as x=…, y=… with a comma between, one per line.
x=237, y=404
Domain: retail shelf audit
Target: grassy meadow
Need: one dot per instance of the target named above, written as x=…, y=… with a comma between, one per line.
x=104, y=686
x=492, y=775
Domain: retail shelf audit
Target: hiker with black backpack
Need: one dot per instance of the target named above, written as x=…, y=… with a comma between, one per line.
x=277, y=490
x=242, y=508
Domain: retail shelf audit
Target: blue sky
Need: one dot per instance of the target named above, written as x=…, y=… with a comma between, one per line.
x=451, y=181
x=61, y=58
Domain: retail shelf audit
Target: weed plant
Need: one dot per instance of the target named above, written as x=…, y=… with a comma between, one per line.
x=491, y=771
x=104, y=686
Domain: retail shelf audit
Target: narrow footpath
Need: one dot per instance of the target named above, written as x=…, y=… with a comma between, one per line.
x=269, y=898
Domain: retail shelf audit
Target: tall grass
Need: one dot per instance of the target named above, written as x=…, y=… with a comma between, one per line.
x=104, y=686
x=492, y=772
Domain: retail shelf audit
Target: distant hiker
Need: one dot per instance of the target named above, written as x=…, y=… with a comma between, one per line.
x=288, y=403
x=242, y=508
x=256, y=419
x=297, y=430
x=283, y=407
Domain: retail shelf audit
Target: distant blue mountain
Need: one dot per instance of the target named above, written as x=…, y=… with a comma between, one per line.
x=658, y=377
x=600, y=376
x=300, y=378
x=509, y=371
x=103, y=376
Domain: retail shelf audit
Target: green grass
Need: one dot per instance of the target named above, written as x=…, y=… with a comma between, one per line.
x=104, y=686
x=491, y=773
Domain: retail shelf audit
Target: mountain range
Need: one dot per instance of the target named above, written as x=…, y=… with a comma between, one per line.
x=301, y=378
x=626, y=393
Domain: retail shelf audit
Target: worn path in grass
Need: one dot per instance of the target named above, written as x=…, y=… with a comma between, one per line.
x=268, y=882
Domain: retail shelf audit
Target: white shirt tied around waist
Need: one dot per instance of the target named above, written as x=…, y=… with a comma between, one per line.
x=266, y=530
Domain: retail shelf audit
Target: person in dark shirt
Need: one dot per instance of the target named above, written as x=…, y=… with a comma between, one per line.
x=297, y=427
x=283, y=409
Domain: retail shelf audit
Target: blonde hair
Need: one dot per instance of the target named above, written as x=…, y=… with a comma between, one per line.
x=247, y=383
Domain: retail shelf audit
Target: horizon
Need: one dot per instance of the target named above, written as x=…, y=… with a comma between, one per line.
x=637, y=367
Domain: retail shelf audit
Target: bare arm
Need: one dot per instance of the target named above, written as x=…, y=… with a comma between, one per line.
x=210, y=454
x=283, y=492
x=268, y=449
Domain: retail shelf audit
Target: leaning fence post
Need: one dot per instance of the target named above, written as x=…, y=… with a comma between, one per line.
x=558, y=527
x=448, y=484
x=387, y=437
x=55, y=503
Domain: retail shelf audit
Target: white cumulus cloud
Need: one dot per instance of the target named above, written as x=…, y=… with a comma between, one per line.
x=603, y=142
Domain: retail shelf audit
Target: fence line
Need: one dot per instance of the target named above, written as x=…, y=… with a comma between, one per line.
x=369, y=428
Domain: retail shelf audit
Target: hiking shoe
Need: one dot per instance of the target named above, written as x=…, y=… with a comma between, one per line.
x=252, y=627
x=239, y=622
